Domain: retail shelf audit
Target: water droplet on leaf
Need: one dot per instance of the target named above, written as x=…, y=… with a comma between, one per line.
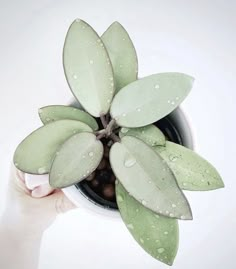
x=130, y=226
x=141, y=240
x=144, y=202
x=129, y=162
x=160, y=250
x=42, y=170
x=120, y=198
x=91, y=154
x=124, y=130
x=173, y=158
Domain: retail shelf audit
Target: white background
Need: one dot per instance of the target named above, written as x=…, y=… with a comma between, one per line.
x=195, y=37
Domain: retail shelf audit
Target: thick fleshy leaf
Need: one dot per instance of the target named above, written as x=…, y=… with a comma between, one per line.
x=122, y=54
x=77, y=158
x=146, y=176
x=88, y=68
x=157, y=235
x=192, y=172
x=35, y=153
x=149, y=134
x=49, y=114
x=149, y=99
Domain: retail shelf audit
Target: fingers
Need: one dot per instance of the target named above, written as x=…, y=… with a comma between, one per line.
x=17, y=180
x=42, y=191
x=62, y=203
x=59, y=202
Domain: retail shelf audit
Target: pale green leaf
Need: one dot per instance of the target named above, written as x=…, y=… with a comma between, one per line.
x=122, y=54
x=157, y=235
x=147, y=178
x=77, y=158
x=49, y=114
x=192, y=172
x=149, y=99
x=35, y=153
x=149, y=134
x=88, y=68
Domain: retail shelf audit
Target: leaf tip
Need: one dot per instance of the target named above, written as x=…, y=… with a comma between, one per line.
x=187, y=216
x=116, y=23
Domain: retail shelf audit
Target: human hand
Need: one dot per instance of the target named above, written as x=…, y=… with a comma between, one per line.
x=27, y=215
x=36, y=209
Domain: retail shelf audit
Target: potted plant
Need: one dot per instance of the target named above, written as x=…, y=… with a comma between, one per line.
x=114, y=139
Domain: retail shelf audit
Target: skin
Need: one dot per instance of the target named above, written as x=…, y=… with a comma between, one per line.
x=27, y=215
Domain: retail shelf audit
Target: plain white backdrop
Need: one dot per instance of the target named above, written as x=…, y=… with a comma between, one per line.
x=195, y=37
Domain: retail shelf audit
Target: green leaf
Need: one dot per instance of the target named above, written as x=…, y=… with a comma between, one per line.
x=35, y=153
x=88, y=68
x=149, y=99
x=157, y=235
x=192, y=172
x=49, y=114
x=149, y=134
x=147, y=178
x=122, y=54
x=77, y=158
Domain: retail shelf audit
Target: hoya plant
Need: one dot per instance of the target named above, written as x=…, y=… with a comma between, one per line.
x=118, y=115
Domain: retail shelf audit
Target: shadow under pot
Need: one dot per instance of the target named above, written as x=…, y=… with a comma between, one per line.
x=99, y=187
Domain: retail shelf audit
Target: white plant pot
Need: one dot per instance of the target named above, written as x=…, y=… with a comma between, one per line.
x=77, y=196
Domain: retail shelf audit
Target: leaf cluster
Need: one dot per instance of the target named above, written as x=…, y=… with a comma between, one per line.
x=151, y=172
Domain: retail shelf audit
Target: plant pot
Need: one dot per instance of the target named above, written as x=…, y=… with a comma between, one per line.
x=176, y=128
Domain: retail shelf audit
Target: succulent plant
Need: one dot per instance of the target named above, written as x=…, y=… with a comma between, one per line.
x=151, y=172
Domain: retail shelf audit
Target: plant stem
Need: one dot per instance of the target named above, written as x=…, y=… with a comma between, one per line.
x=114, y=137
x=103, y=120
x=101, y=135
x=110, y=126
x=107, y=117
